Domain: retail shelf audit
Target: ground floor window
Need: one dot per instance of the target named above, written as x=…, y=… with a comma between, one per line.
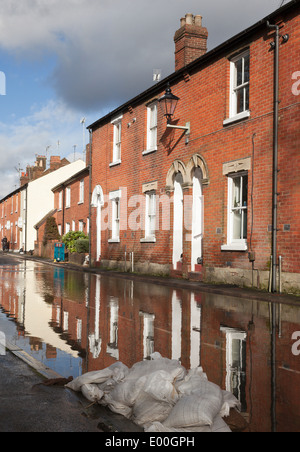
x=150, y=220
x=237, y=212
x=115, y=199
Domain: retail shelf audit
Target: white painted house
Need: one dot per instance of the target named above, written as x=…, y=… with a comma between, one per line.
x=38, y=199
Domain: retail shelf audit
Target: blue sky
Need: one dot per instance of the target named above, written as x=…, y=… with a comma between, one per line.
x=68, y=59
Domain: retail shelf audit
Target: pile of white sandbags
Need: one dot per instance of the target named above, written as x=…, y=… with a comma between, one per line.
x=159, y=395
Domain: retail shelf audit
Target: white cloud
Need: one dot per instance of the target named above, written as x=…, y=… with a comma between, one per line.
x=107, y=50
x=20, y=141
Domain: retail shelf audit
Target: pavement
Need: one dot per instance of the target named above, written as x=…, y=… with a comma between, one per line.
x=27, y=404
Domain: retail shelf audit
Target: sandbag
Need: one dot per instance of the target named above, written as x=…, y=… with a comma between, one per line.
x=192, y=381
x=117, y=371
x=197, y=409
x=145, y=368
x=229, y=401
x=92, y=392
x=116, y=406
x=147, y=410
x=160, y=385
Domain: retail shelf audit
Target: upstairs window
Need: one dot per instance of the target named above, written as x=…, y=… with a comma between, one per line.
x=68, y=197
x=60, y=198
x=81, y=191
x=239, y=87
x=151, y=128
x=117, y=132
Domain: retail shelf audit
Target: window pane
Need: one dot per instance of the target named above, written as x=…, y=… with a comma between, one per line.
x=240, y=100
x=245, y=191
x=237, y=223
x=239, y=72
x=244, y=224
x=246, y=97
x=246, y=68
x=236, y=192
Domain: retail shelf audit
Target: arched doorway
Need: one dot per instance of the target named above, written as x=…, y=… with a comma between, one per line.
x=197, y=218
x=97, y=202
x=177, y=221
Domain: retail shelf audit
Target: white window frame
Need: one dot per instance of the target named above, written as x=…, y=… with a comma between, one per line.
x=117, y=136
x=80, y=226
x=115, y=200
x=150, y=216
x=73, y=225
x=68, y=197
x=151, y=128
x=234, y=244
x=60, y=198
x=81, y=191
x=233, y=334
x=67, y=228
x=234, y=115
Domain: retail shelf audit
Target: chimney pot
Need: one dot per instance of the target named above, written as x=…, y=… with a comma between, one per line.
x=190, y=40
x=198, y=21
x=189, y=19
x=182, y=22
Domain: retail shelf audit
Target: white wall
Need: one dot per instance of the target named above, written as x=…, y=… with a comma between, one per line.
x=41, y=198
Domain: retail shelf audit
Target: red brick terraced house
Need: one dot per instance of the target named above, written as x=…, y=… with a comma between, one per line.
x=11, y=224
x=211, y=192
x=71, y=201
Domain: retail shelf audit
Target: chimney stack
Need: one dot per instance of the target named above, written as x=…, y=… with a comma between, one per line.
x=190, y=40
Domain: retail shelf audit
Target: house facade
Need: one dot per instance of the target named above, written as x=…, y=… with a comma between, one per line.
x=194, y=197
x=11, y=222
x=71, y=201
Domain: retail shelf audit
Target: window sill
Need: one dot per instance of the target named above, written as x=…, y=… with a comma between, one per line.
x=238, y=117
x=235, y=247
x=80, y=202
x=149, y=151
x=148, y=240
x=117, y=240
x=117, y=162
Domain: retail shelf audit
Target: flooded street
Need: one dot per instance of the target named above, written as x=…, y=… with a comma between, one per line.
x=77, y=322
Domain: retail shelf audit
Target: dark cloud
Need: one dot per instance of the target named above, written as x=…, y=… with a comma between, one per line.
x=106, y=51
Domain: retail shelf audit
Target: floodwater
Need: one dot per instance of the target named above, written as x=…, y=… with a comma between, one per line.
x=77, y=322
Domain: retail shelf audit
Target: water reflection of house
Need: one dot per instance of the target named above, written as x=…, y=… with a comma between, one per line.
x=105, y=319
x=229, y=337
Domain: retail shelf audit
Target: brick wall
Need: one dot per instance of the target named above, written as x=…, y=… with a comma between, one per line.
x=204, y=102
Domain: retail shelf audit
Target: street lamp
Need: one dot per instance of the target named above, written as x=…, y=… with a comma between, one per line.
x=168, y=103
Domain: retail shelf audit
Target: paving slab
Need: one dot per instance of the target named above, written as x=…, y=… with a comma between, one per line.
x=27, y=405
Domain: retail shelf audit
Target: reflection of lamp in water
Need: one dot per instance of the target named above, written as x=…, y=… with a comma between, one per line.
x=95, y=340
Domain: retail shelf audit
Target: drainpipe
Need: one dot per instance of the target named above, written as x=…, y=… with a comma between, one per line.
x=90, y=197
x=275, y=156
x=26, y=218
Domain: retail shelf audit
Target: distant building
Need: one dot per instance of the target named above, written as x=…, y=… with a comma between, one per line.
x=71, y=201
x=23, y=209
